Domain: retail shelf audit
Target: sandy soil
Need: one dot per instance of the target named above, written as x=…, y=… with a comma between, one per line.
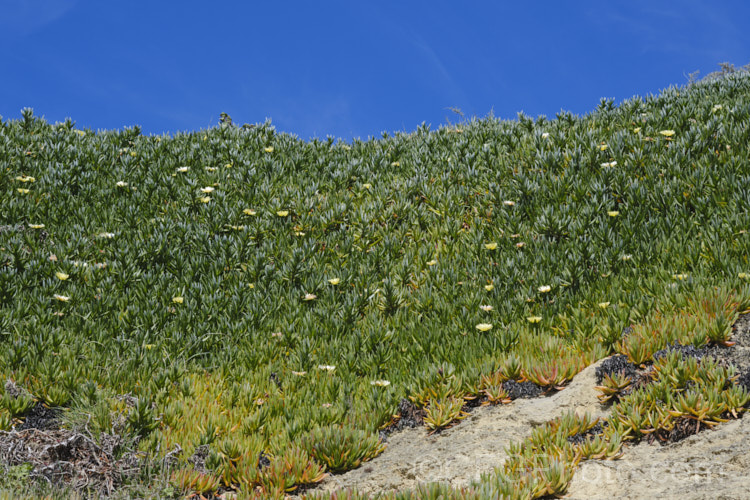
x=712, y=464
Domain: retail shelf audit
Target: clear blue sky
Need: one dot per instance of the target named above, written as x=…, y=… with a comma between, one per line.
x=348, y=68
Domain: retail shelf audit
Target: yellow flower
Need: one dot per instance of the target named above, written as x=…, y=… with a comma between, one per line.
x=334, y=281
x=121, y=184
x=667, y=133
x=106, y=235
x=250, y=285
x=637, y=130
x=80, y=132
x=61, y=276
x=149, y=346
x=743, y=276
x=183, y=169
x=489, y=287
x=23, y=191
x=395, y=164
x=309, y=297
x=36, y=226
x=269, y=149
x=228, y=165
x=613, y=213
x=248, y=211
x=680, y=277
x=544, y=288
x=328, y=368
x=132, y=153
x=603, y=147
x=716, y=108
x=367, y=186
x=205, y=199
x=509, y=203
x=381, y=383
x=545, y=135
x=490, y=246
x=485, y=308
x=62, y=298
x=207, y=189
x=627, y=256
x=604, y=305
x=609, y=164
x=178, y=300
x=484, y=327
x=299, y=374
x=282, y=213
x=25, y=178
x=534, y=319
x=210, y=169
x=520, y=244
x=432, y=262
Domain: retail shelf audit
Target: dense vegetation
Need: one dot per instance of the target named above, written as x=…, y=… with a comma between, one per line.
x=275, y=299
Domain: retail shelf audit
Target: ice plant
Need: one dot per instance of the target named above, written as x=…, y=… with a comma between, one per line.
x=269, y=149
x=62, y=298
x=486, y=308
x=25, y=178
x=490, y=246
x=609, y=164
x=381, y=383
x=282, y=213
x=207, y=189
x=667, y=133
x=309, y=296
x=603, y=305
x=36, y=226
x=534, y=319
x=489, y=287
x=178, y=300
x=509, y=203
x=484, y=327
x=328, y=368
x=23, y=190
x=334, y=281
x=249, y=211
x=544, y=288
x=204, y=199
x=432, y=262
x=183, y=169
x=613, y=213
x=121, y=184
x=61, y=276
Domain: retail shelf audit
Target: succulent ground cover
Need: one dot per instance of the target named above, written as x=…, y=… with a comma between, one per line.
x=246, y=310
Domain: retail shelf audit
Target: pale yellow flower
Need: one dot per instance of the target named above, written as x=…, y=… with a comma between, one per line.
x=520, y=244
x=25, y=178
x=743, y=276
x=122, y=184
x=604, y=305
x=269, y=149
x=248, y=211
x=62, y=298
x=680, y=277
x=667, y=133
x=207, y=189
x=210, y=169
x=381, y=383
x=299, y=374
x=250, y=285
x=395, y=164
x=334, y=281
x=367, y=186
x=489, y=287
x=716, y=108
x=534, y=319
x=36, y=226
x=80, y=132
x=178, y=300
x=106, y=235
x=486, y=308
x=432, y=262
x=282, y=213
x=509, y=203
x=609, y=164
x=149, y=346
x=490, y=246
x=132, y=153
x=544, y=288
x=183, y=169
x=309, y=296
x=61, y=275
x=484, y=327
x=328, y=368
x=23, y=191
x=613, y=213
x=228, y=165
x=545, y=135
x=603, y=147
x=637, y=130
x=627, y=256
x=205, y=199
